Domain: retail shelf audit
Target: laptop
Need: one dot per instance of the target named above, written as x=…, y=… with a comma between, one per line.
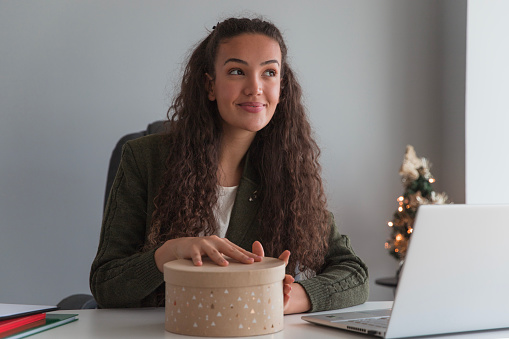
x=455, y=277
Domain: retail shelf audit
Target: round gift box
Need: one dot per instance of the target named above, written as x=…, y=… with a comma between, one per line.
x=224, y=301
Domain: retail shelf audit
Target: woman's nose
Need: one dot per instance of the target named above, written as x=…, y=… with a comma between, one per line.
x=253, y=86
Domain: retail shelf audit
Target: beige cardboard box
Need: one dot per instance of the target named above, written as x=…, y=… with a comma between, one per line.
x=233, y=301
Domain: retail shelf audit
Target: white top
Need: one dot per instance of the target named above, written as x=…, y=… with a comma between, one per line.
x=224, y=206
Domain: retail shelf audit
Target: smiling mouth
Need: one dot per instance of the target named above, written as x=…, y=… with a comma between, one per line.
x=251, y=104
x=252, y=107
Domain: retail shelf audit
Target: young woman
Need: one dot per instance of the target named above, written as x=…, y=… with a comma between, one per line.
x=236, y=174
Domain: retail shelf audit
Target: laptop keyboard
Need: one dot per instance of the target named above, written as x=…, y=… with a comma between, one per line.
x=382, y=322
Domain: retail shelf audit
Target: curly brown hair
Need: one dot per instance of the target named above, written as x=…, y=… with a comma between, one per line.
x=293, y=205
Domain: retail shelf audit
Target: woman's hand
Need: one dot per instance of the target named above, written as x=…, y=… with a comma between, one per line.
x=299, y=301
x=195, y=248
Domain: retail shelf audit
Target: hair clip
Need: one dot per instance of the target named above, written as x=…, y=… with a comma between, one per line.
x=214, y=27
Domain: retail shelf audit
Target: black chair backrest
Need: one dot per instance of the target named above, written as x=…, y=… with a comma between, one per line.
x=155, y=127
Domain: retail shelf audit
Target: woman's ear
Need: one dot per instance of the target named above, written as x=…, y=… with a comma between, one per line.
x=209, y=85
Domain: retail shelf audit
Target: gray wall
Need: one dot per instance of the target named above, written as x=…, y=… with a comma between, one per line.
x=75, y=76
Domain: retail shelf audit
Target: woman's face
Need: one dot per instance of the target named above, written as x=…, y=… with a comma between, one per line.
x=247, y=82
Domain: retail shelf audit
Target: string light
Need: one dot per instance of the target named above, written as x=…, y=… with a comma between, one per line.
x=410, y=230
x=400, y=209
x=390, y=223
x=399, y=237
x=431, y=180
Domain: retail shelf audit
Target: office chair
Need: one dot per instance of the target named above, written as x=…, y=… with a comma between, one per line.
x=77, y=302
x=153, y=128
x=87, y=301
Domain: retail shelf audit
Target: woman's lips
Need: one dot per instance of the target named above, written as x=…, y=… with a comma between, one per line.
x=252, y=107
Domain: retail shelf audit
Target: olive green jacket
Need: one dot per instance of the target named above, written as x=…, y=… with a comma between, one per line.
x=122, y=275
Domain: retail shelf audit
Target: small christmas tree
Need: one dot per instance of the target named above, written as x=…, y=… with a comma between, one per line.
x=417, y=181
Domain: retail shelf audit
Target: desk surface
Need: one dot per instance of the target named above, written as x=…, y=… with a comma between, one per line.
x=149, y=323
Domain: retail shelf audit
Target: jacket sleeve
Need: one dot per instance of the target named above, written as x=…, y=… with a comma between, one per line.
x=122, y=275
x=343, y=281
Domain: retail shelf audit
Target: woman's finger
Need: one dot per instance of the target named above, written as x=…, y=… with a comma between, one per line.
x=257, y=249
x=218, y=258
x=212, y=246
x=288, y=279
x=237, y=253
x=196, y=258
x=287, y=288
x=285, y=256
x=248, y=254
x=211, y=250
x=195, y=255
x=215, y=247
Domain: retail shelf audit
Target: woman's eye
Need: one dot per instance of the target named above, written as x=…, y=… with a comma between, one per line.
x=270, y=73
x=236, y=72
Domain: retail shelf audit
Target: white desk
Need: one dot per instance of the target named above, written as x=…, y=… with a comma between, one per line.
x=149, y=323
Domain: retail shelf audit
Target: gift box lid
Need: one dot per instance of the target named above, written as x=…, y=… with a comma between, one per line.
x=183, y=272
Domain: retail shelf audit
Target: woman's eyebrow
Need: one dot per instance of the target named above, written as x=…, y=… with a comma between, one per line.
x=240, y=61
x=274, y=61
